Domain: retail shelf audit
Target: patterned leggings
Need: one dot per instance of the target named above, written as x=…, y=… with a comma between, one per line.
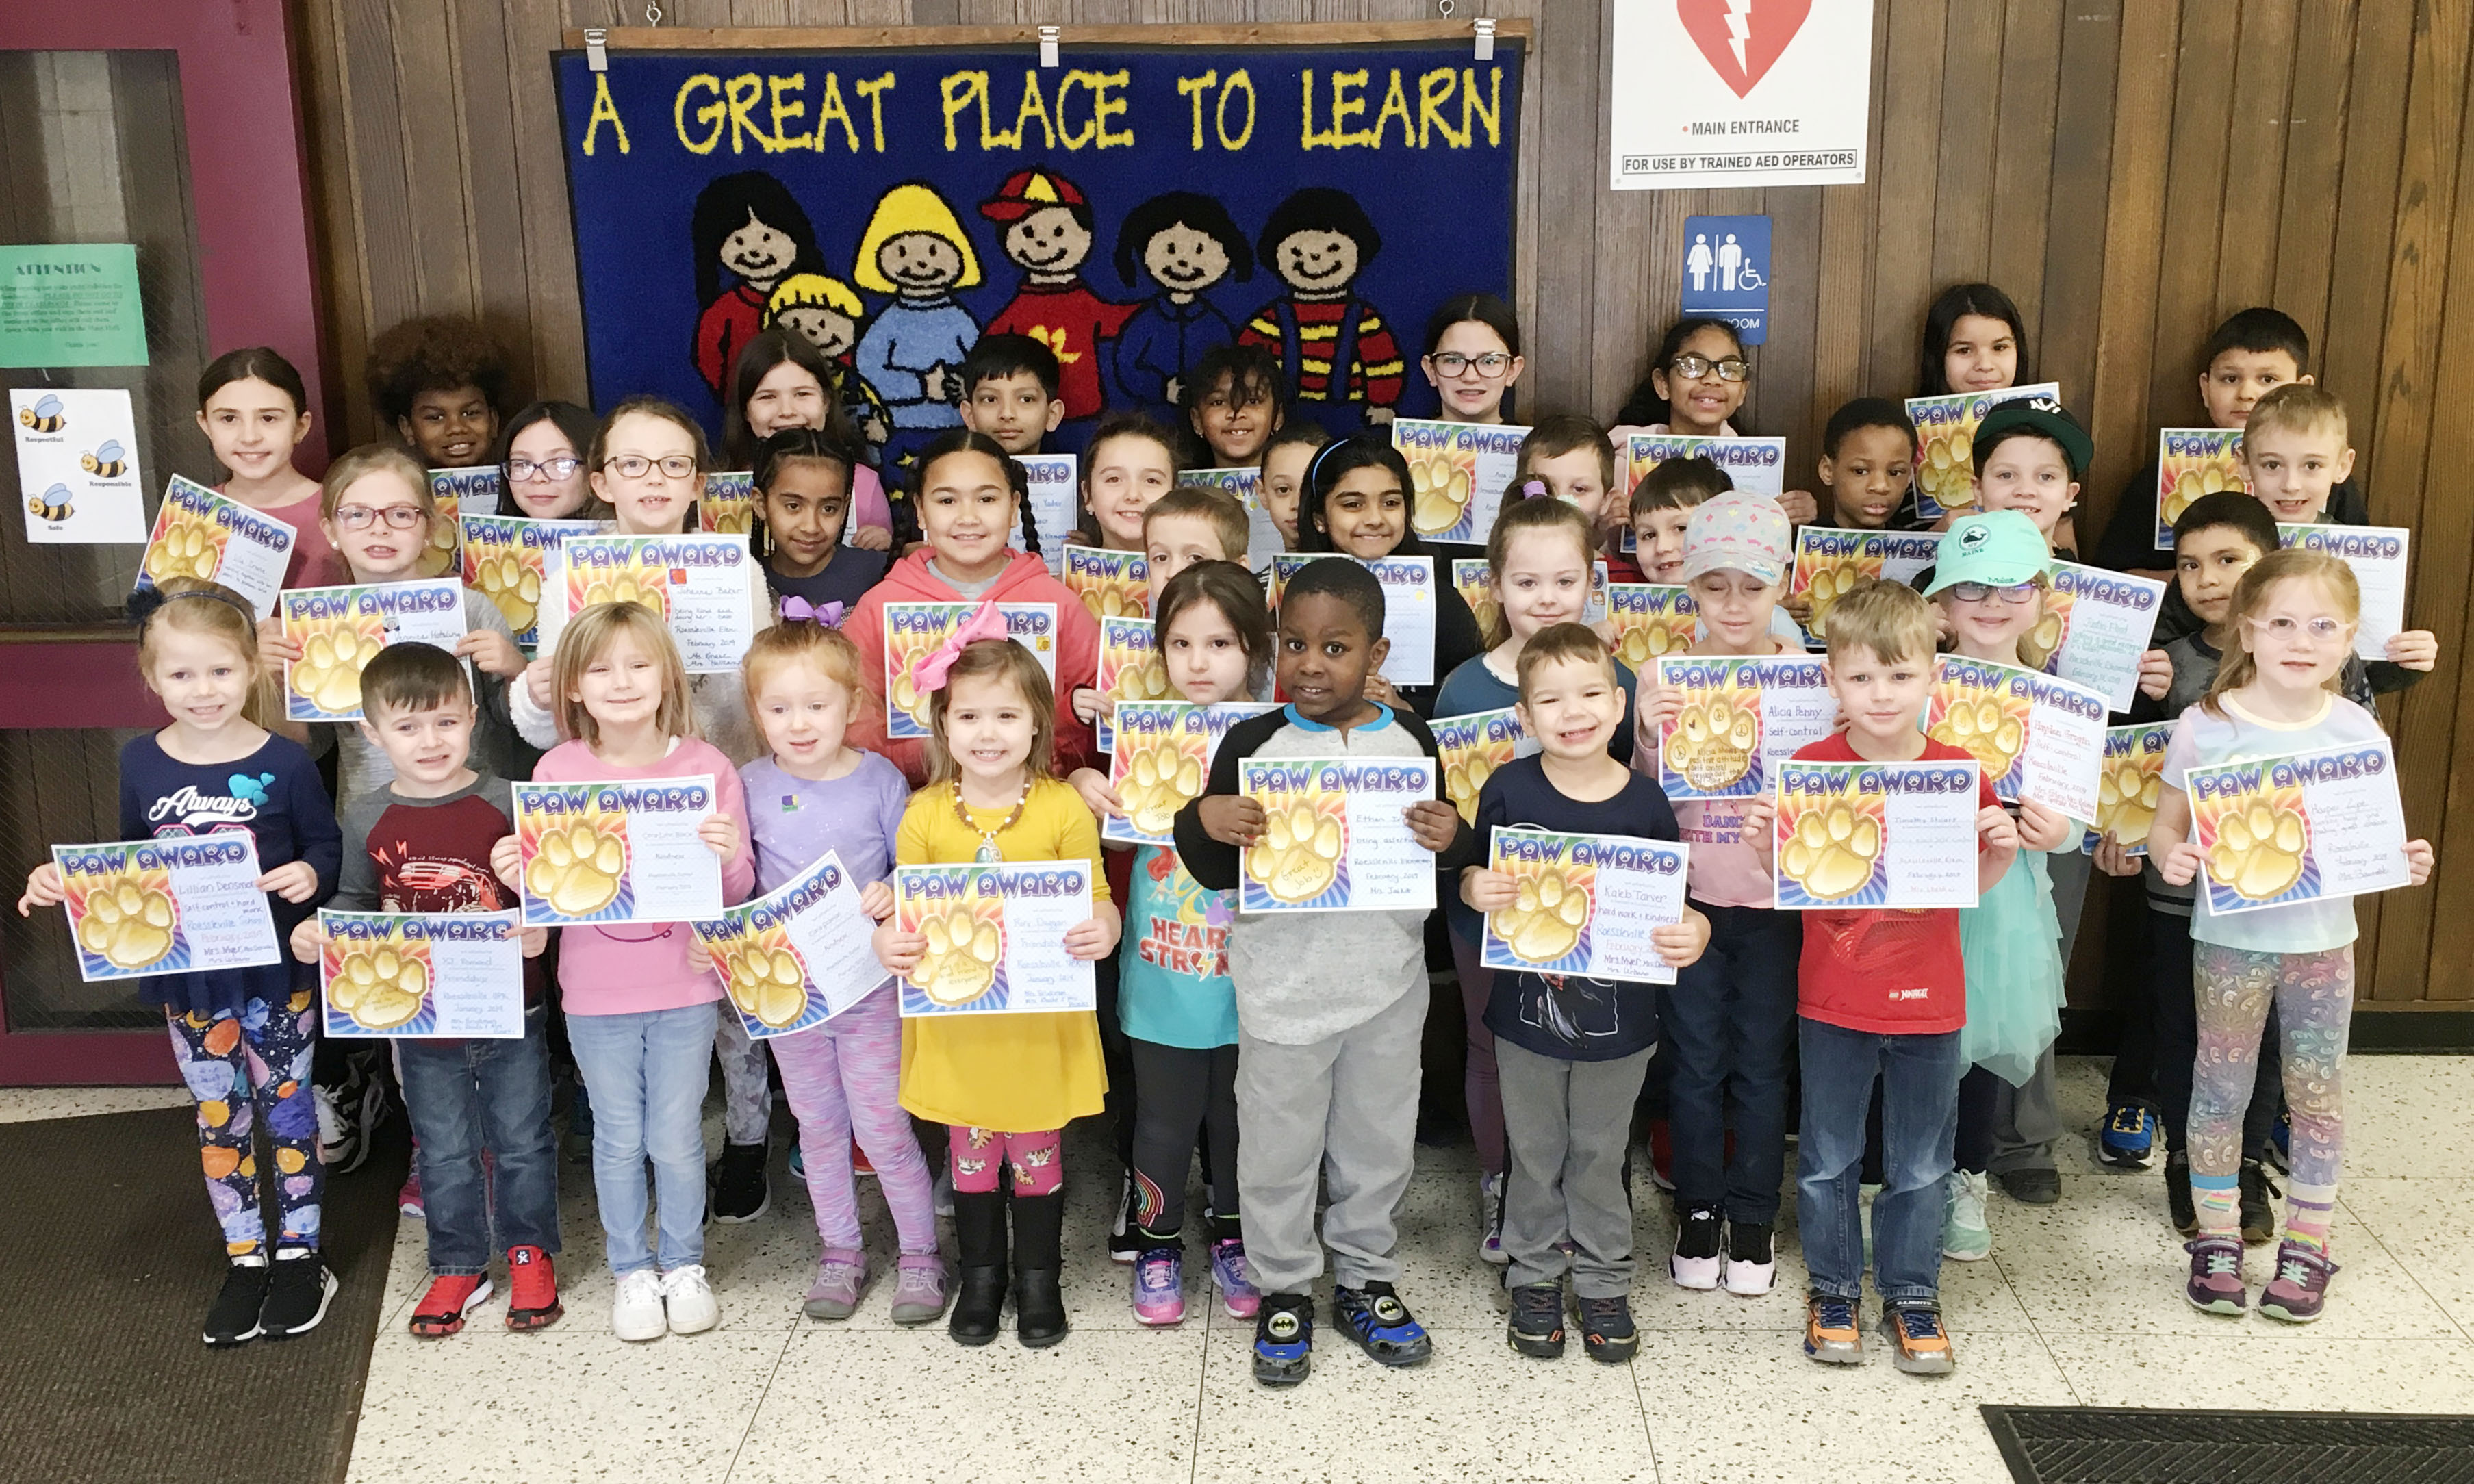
x=240, y=1067
x=2314, y=993
x=1039, y=1159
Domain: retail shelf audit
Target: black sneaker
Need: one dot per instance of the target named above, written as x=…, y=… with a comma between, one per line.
x=1375, y=1318
x=296, y=1296
x=1284, y=1339
x=1607, y=1329
x=2259, y=1198
x=1696, y=1262
x=1125, y=1237
x=2031, y=1188
x=739, y=1192
x=1537, y=1327
x=2179, y=1207
x=234, y=1318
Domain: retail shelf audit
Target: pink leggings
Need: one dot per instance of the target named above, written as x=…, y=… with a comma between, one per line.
x=1039, y=1159
x=844, y=1077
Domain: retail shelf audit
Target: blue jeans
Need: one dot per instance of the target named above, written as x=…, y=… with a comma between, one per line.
x=474, y=1095
x=1918, y=1077
x=1729, y=1025
x=647, y=1071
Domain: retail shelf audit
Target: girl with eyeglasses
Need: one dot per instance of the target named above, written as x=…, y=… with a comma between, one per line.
x=1472, y=356
x=255, y=412
x=1696, y=384
x=541, y=456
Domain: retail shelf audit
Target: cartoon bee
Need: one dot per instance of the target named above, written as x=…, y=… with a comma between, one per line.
x=45, y=416
x=53, y=504
x=109, y=462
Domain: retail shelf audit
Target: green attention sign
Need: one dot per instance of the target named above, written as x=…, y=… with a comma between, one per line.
x=71, y=305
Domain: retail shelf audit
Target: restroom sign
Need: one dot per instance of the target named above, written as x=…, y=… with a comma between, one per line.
x=1735, y=94
x=1727, y=272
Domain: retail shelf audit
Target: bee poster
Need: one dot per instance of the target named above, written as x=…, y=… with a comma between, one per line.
x=2097, y=624
x=1583, y=905
x=1739, y=719
x=1163, y=754
x=996, y=939
x=198, y=533
x=187, y=906
x=2038, y=738
x=1111, y=584
x=608, y=853
x=2191, y=462
x=1457, y=475
x=419, y=974
x=914, y=631
x=702, y=586
x=342, y=629
x=1130, y=670
x=2132, y=782
x=1473, y=748
x=1336, y=836
x=1946, y=445
x=798, y=956
x=2278, y=830
x=1876, y=835
x=76, y=467
x=727, y=507
x=509, y=561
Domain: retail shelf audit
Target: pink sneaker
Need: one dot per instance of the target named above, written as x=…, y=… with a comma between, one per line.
x=408, y=1199
x=1237, y=1292
x=1160, y=1285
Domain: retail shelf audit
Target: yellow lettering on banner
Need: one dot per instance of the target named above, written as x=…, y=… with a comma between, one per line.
x=1034, y=106
x=604, y=106
x=1346, y=103
x=1434, y=91
x=1307, y=138
x=783, y=112
x=1067, y=136
x=1108, y=103
x=1395, y=105
x=745, y=92
x=831, y=108
x=711, y=113
x=961, y=90
x=874, y=89
x=1236, y=80
x=1193, y=88
x=1491, y=112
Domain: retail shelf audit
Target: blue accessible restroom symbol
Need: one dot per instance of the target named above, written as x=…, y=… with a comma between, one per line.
x=1727, y=272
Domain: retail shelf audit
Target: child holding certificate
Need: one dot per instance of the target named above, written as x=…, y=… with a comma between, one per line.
x=2292, y=620
x=1882, y=994
x=1356, y=502
x=242, y=1037
x=1572, y=1050
x=640, y=999
x=844, y=1078
x=803, y=510
x=1539, y=558
x=1991, y=581
x=1006, y=1084
x=1331, y=1006
x=255, y=412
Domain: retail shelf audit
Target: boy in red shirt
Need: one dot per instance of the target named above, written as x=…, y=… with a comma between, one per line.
x=1048, y=233
x=1882, y=994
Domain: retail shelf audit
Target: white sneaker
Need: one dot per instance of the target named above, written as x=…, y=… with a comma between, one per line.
x=944, y=1188
x=1965, y=1234
x=690, y=1298
x=637, y=1313
x=1490, y=1219
x=339, y=1140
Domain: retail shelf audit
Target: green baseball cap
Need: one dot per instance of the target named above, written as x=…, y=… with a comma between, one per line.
x=2043, y=417
x=2000, y=548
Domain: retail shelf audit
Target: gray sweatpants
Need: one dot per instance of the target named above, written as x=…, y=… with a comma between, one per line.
x=2027, y=1119
x=1344, y=1106
x=1568, y=1125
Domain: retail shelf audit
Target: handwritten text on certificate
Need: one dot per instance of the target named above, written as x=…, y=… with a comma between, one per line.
x=996, y=937
x=2278, y=830
x=1336, y=836
x=1896, y=835
x=617, y=852
x=1585, y=905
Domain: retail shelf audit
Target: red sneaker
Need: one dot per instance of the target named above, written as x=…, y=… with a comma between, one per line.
x=1662, y=1154
x=532, y=1289
x=439, y=1312
x=859, y=1162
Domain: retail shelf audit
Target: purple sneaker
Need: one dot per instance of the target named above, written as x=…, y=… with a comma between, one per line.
x=919, y=1289
x=1237, y=1292
x=2216, y=1276
x=841, y=1276
x=2300, y=1288
x=1160, y=1285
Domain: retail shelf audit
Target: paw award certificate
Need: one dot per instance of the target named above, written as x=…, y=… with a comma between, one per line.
x=2132, y=782
x=604, y=853
x=1111, y=584
x=415, y=974
x=700, y=585
x=2297, y=829
x=512, y=562
x=1472, y=747
x=1648, y=621
x=342, y=629
x=1894, y=834
x=2097, y=625
x=1128, y=671
x=198, y=533
x=1740, y=718
x=168, y=906
x=1585, y=905
x=996, y=937
x=795, y=957
x=1336, y=836
x=1829, y=562
x=1164, y=752
x=2038, y=737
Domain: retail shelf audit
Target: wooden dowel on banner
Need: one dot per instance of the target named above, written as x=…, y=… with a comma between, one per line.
x=851, y=38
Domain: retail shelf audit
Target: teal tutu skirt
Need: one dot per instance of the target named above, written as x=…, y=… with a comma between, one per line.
x=2012, y=945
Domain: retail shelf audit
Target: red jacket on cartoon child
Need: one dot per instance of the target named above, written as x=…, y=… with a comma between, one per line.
x=1046, y=231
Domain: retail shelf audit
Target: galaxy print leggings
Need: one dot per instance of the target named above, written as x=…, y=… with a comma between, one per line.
x=241, y=1068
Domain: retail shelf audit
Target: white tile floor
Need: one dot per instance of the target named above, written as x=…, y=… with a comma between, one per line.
x=2080, y=1303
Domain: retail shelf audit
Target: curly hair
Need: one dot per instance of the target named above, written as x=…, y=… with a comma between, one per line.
x=434, y=352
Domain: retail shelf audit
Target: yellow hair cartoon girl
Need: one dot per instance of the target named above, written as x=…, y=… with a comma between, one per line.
x=942, y=261
x=912, y=353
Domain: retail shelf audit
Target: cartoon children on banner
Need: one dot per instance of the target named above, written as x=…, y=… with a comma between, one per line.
x=1334, y=348
x=1048, y=232
x=915, y=249
x=826, y=312
x=1189, y=246
x=748, y=227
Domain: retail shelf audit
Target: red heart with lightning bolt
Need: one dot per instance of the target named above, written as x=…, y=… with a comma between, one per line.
x=1742, y=38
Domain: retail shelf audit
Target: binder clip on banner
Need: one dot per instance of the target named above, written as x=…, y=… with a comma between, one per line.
x=1048, y=46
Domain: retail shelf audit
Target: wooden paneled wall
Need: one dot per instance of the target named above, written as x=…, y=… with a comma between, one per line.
x=2131, y=171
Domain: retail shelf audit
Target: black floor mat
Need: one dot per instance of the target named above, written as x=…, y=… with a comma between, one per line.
x=2145, y=1445
x=112, y=1256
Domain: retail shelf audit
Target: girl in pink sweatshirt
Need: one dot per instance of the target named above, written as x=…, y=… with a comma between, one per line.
x=640, y=997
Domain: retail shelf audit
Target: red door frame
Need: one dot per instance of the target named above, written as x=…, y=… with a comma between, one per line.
x=248, y=179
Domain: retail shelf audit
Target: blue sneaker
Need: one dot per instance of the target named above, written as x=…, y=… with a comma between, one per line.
x=2280, y=1138
x=798, y=1164
x=2128, y=1138
x=1375, y=1318
x=1283, y=1339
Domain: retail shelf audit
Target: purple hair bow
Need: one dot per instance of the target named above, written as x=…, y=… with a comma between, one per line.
x=798, y=610
x=985, y=622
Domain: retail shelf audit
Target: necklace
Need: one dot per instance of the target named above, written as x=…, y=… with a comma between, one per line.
x=987, y=853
